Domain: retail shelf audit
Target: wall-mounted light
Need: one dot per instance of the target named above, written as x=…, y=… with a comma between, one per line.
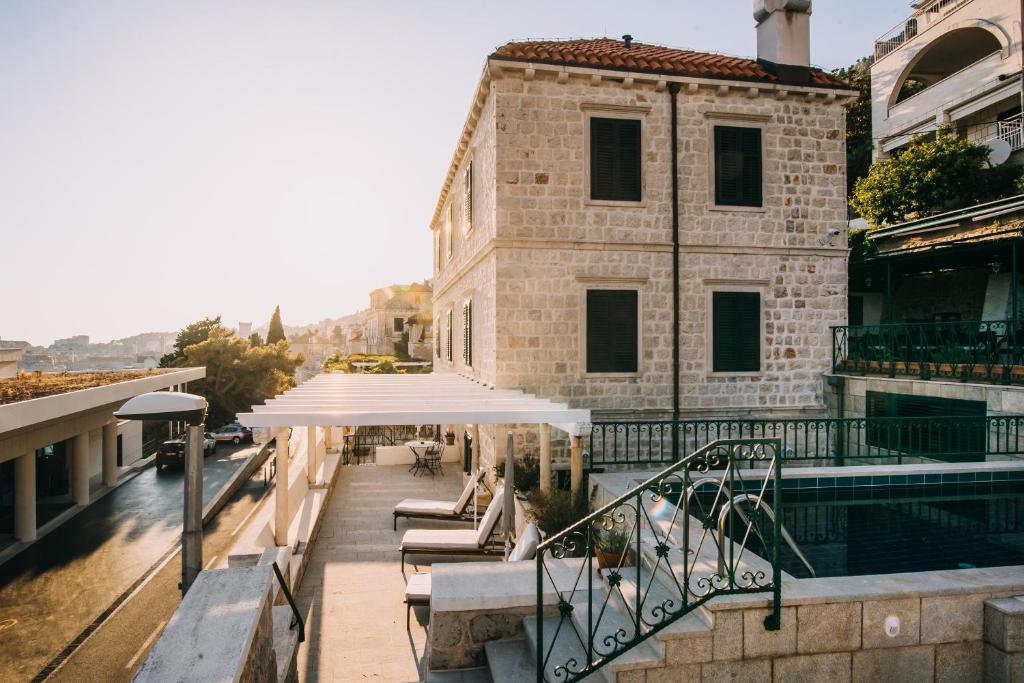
x=995, y=266
x=867, y=282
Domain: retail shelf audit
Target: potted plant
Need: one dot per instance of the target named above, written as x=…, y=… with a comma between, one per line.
x=610, y=547
x=449, y=438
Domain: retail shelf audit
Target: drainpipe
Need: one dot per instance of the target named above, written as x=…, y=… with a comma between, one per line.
x=673, y=90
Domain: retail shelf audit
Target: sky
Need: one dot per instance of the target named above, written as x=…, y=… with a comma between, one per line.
x=165, y=161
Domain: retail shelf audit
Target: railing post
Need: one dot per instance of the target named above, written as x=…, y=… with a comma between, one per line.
x=773, y=622
x=576, y=466
x=540, y=616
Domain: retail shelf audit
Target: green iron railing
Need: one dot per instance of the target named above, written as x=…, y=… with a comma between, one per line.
x=667, y=564
x=827, y=440
x=989, y=351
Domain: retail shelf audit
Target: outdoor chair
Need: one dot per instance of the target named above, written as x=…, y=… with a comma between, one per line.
x=417, y=589
x=442, y=510
x=475, y=542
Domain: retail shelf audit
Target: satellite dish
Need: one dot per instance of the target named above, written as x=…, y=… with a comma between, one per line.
x=999, y=151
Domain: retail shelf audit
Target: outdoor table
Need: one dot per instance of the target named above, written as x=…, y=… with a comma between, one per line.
x=419, y=449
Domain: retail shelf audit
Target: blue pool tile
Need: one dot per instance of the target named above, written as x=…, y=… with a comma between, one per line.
x=965, y=477
x=1017, y=475
x=862, y=481
x=826, y=482
x=808, y=483
x=880, y=481
x=915, y=479
x=932, y=478
x=1000, y=476
x=949, y=477
x=983, y=476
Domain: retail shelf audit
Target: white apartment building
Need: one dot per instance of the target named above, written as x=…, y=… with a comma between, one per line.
x=588, y=250
x=951, y=62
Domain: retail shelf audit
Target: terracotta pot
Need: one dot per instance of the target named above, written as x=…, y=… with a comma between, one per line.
x=449, y=439
x=608, y=560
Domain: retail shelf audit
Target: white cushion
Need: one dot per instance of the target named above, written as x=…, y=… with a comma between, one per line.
x=440, y=539
x=418, y=588
x=491, y=516
x=418, y=506
x=467, y=493
x=526, y=546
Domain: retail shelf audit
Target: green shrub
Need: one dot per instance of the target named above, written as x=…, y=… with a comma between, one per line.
x=526, y=474
x=556, y=510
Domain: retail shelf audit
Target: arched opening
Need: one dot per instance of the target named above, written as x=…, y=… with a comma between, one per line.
x=952, y=52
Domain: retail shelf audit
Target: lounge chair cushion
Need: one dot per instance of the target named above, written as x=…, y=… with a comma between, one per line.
x=467, y=493
x=417, y=506
x=526, y=546
x=440, y=539
x=418, y=588
x=490, y=518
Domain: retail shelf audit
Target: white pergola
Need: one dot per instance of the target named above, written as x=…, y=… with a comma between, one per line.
x=361, y=400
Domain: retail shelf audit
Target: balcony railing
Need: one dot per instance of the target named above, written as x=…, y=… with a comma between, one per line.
x=818, y=441
x=989, y=351
x=907, y=30
x=1011, y=130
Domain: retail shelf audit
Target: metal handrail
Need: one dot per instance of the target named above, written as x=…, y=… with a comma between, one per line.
x=296, y=617
x=650, y=604
x=911, y=27
x=732, y=504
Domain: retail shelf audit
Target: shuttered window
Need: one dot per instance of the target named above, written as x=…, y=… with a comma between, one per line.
x=736, y=331
x=467, y=199
x=448, y=333
x=737, y=166
x=467, y=333
x=449, y=233
x=960, y=440
x=437, y=337
x=615, y=159
x=612, y=334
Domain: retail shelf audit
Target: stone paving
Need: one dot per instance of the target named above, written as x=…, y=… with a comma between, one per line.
x=353, y=587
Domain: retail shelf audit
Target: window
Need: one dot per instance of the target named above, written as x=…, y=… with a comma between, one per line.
x=449, y=234
x=437, y=337
x=467, y=333
x=737, y=166
x=958, y=440
x=448, y=333
x=467, y=199
x=612, y=330
x=398, y=324
x=615, y=165
x=736, y=331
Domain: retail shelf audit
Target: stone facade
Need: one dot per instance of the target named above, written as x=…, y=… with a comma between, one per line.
x=537, y=242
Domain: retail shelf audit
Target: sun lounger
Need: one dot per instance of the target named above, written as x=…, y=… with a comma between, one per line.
x=415, y=508
x=457, y=541
x=417, y=588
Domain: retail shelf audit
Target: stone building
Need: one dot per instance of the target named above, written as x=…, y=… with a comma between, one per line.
x=554, y=239
x=397, y=322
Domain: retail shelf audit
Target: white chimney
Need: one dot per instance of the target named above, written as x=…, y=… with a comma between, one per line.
x=784, y=35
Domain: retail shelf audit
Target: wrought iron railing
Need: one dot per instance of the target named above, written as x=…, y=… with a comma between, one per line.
x=667, y=564
x=989, y=350
x=909, y=29
x=830, y=441
x=361, y=444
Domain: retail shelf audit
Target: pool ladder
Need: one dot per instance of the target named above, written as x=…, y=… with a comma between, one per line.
x=735, y=503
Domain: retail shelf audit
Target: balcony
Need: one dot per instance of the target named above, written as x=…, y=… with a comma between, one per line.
x=929, y=14
x=1012, y=131
x=965, y=351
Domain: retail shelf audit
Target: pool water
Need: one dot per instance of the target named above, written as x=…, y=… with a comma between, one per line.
x=887, y=530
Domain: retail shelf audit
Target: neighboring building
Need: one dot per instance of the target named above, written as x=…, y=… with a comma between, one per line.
x=59, y=441
x=397, y=323
x=553, y=233
x=9, y=359
x=954, y=62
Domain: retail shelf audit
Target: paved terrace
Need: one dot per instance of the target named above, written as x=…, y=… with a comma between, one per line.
x=353, y=587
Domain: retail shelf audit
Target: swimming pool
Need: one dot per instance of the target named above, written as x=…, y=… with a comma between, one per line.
x=852, y=531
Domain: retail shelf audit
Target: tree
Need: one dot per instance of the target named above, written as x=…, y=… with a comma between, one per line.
x=239, y=375
x=255, y=339
x=337, y=335
x=275, y=332
x=858, y=122
x=931, y=175
x=191, y=334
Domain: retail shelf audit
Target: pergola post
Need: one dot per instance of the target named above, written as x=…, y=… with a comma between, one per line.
x=576, y=466
x=281, y=489
x=311, y=455
x=475, y=461
x=110, y=453
x=80, y=468
x=545, y=457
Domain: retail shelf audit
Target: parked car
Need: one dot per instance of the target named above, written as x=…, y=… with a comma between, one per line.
x=234, y=432
x=172, y=451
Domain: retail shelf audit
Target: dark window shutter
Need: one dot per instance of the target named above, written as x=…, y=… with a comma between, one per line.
x=467, y=199
x=467, y=333
x=615, y=163
x=736, y=331
x=437, y=337
x=448, y=325
x=612, y=335
x=738, y=166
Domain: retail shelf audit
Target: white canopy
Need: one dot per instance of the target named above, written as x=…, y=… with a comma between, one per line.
x=354, y=400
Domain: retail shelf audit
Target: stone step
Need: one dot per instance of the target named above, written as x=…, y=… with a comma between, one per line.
x=564, y=646
x=510, y=661
x=611, y=621
x=286, y=644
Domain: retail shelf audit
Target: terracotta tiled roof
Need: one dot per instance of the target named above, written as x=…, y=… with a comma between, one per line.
x=606, y=53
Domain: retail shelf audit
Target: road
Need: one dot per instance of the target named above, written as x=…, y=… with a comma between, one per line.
x=51, y=591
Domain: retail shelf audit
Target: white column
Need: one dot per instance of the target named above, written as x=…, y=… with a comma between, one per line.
x=475, y=461
x=311, y=456
x=80, y=469
x=281, y=488
x=576, y=465
x=25, y=497
x=110, y=453
x=545, y=457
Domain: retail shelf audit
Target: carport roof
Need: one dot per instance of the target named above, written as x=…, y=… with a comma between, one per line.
x=355, y=400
